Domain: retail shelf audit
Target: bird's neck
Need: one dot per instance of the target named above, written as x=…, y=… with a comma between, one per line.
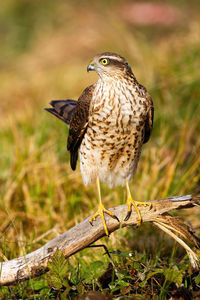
x=115, y=85
x=113, y=90
x=117, y=82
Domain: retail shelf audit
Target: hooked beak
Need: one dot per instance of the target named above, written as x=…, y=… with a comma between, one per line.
x=91, y=67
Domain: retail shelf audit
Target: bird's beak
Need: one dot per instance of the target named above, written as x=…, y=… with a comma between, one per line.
x=91, y=67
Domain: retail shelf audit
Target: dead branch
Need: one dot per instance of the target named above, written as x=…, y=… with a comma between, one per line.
x=83, y=235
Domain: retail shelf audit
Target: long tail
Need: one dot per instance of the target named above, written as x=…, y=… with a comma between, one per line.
x=62, y=109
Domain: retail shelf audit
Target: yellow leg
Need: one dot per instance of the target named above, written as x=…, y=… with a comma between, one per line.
x=131, y=202
x=101, y=210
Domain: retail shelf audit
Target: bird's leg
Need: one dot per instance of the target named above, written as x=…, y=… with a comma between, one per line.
x=101, y=210
x=131, y=202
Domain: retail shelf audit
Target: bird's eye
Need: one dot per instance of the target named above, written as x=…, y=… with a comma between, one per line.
x=104, y=61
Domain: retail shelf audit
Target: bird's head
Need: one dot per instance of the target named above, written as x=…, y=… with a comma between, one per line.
x=109, y=64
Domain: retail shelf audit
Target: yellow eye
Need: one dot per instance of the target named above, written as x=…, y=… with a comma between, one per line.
x=104, y=61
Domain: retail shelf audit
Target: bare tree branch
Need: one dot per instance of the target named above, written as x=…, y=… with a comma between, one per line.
x=83, y=235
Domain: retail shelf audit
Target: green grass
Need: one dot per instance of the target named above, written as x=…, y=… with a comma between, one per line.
x=44, y=56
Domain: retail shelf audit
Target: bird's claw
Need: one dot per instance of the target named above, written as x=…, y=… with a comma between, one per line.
x=100, y=212
x=130, y=203
x=127, y=215
x=116, y=218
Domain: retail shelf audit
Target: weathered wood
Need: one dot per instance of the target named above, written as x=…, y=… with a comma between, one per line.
x=83, y=235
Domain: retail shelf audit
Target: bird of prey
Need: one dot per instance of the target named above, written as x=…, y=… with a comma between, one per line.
x=108, y=125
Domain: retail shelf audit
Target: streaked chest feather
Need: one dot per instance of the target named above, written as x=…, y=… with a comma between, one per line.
x=117, y=110
x=114, y=137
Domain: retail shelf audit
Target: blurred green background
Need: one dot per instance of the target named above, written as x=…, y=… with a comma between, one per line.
x=45, y=48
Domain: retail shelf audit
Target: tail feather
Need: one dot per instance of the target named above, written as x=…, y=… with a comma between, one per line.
x=62, y=109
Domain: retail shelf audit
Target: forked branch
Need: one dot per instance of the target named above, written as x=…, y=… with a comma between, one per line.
x=83, y=235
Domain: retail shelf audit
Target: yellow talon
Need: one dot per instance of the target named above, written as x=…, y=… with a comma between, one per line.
x=101, y=210
x=131, y=202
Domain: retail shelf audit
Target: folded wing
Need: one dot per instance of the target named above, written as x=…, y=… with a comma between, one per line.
x=75, y=114
x=78, y=124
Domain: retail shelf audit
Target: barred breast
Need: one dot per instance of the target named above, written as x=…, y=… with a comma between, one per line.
x=112, y=144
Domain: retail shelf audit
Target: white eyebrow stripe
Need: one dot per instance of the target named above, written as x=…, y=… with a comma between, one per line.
x=112, y=57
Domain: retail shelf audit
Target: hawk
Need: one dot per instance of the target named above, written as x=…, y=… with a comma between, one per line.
x=108, y=125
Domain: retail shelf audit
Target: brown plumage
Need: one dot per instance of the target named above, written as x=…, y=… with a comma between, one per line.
x=78, y=125
x=108, y=125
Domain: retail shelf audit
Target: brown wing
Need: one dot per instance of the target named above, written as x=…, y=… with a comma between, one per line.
x=62, y=109
x=78, y=124
x=149, y=119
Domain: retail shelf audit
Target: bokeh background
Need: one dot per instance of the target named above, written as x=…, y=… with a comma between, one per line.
x=45, y=48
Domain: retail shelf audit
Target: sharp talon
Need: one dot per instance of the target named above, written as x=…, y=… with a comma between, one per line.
x=116, y=218
x=91, y=223
x=106, y=232
x=127, y=216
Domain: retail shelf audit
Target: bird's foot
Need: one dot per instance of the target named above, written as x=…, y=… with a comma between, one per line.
x=131, y=202
x=100, y=212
